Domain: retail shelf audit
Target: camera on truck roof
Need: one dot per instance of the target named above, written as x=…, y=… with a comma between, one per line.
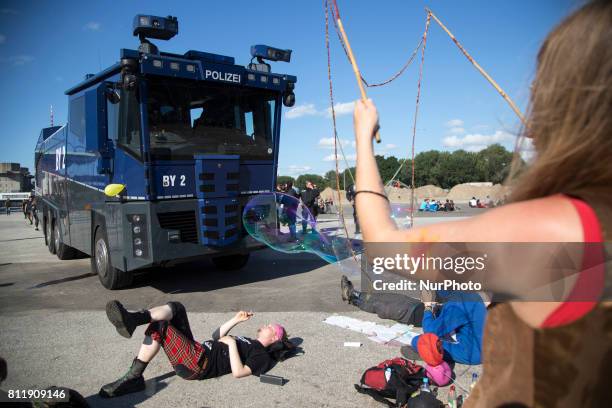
x=270, y=53
x=161, y=28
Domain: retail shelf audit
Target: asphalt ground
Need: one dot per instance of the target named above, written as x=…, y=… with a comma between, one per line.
x=53, y=329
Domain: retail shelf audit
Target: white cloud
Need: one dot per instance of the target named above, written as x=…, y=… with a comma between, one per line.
x=18, y=59
x=390, y=146
x=294, y=170
x=457, y=130
x=2, y=38
x=309, y=109
x=92, y=26
x=526, y=149
x=475, y=141
x=328, y=143
x=301, y=110
x=332, y=157
x=340, y=109
x=454, y=123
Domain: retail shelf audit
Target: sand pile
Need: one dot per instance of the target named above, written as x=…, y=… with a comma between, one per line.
x=330, y=193
x=402, y=195
x=430, y=191
x=464, y=192
x=459, y=193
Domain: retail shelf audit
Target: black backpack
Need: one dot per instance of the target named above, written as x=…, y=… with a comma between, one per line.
x=396, y=379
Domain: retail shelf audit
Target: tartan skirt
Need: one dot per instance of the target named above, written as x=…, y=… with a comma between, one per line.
x=187, y=356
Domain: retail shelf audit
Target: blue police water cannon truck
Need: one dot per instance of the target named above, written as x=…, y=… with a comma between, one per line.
x=160, y=154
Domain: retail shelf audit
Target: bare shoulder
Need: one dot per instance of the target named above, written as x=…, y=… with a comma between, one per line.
x=548, y=219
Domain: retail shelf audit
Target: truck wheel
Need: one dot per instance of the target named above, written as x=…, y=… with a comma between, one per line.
x=231, y=262
x=49, y=234
x=45, y=231
x=62, y=250
x=110, y=277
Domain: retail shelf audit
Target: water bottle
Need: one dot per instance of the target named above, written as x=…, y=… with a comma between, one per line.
x=452, y=403
x=425, y=385
x=388, y=373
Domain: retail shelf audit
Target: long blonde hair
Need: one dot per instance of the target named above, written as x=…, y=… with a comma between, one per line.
x=570, y=112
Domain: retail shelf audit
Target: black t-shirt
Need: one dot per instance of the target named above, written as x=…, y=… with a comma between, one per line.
x=309, y=196
x=252, y=354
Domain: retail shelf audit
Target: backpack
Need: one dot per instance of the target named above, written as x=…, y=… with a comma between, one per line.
x=395, y=378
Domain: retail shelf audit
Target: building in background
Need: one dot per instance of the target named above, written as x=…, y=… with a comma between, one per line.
x=14, y=178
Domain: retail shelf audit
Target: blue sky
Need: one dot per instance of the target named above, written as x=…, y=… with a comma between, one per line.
x=46, y=47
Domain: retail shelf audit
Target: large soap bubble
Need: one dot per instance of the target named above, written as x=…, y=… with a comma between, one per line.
x=400, y=213
x=285, y=224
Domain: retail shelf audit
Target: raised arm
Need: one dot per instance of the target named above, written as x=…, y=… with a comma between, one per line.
x=225, y=328
x=556, y=221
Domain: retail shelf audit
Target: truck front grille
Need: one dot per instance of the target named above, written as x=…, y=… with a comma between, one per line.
x=184, y=221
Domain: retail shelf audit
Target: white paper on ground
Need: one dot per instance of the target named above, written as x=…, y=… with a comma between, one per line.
x=394, y=335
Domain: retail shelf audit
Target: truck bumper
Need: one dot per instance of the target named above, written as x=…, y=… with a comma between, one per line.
x=157, y=233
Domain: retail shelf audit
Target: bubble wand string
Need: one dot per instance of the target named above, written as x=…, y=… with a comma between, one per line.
x=478, y=67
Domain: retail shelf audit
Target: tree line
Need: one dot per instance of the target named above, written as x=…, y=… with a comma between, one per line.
x=440, y=168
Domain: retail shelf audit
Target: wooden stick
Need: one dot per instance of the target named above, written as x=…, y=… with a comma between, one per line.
x=355, y=68
x=479, y=68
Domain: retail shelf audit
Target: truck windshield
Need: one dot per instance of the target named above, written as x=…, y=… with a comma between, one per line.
x=188, y=118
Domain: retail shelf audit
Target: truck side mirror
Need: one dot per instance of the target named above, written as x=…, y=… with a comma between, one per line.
x=289, y=99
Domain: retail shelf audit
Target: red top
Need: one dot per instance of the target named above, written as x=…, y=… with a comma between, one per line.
x=590, y=282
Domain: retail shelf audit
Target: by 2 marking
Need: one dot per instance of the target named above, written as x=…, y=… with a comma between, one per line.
x=169, y=180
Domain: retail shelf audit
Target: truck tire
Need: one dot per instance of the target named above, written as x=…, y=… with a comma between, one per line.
x=47, y=232
x=110, y=277
x=231, y=262
x=62, y=250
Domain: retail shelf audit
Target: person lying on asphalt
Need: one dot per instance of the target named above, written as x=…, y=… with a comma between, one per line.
x=169, y=329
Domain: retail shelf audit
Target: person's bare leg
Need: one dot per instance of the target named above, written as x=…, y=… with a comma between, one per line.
x=148, y=349
x=160, y=313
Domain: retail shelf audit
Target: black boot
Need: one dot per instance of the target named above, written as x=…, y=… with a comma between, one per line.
x=132, y=381
x=126, y=322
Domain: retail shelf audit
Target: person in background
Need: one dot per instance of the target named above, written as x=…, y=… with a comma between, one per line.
x=350, y=196
x=29, y=209
x=7, y=206
x=290, y=208
x=34, y=212
x=447, y=205
x=424, y=205
x=554, y=353
x=433, y=206
x=309, y=196
x=473, y=202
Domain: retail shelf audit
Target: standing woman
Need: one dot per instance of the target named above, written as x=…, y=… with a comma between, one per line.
x=552, y=354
